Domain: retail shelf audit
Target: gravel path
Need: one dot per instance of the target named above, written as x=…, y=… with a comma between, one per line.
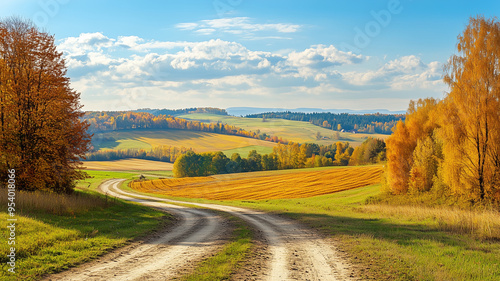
x=290, y=250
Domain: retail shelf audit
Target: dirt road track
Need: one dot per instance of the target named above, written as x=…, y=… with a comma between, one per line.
x=293, y=251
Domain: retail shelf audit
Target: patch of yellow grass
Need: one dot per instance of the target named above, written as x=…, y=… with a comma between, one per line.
x=257, y=186
x=483, y=224
x=58, y=204
x=128, y=165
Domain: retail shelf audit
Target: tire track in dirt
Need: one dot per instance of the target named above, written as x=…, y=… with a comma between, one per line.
x=296, y=252
x=194, y=236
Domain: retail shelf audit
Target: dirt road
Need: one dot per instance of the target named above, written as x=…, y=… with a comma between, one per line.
x=292, y=252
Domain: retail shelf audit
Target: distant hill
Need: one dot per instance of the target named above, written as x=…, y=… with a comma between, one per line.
x=175, y=112
x=243, y=111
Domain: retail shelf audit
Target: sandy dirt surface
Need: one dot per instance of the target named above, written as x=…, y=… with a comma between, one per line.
x=196, y=235
x=286, y=250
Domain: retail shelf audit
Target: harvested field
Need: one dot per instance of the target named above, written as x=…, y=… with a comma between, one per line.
x=128, y=165
x=269, y=185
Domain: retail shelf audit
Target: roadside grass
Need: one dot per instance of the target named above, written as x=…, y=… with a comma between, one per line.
x=27, y=203
x=296, y=131
x=97, y=177
x=390, y=243
x=223, y=264
x=56, y=232
x=393, y=242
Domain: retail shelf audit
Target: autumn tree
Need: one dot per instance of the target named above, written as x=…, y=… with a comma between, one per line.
x=472, y=112
x=369, y=152
x=420, y=122
x=427, y=157
x=41, y=135
x=453, y=146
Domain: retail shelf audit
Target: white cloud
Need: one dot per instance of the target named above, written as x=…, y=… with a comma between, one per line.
x=186, y=26
x=205, y=31
x=317, y=62
x=400, y=74
x=129, y=66
x=243, y=26
x=85, y=42
x=129, y=41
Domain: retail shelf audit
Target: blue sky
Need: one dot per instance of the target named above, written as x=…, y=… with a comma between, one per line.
x=367, y=54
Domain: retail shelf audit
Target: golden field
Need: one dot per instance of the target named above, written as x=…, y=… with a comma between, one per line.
x=127, y=165
x=264, y=185
x=199, y=141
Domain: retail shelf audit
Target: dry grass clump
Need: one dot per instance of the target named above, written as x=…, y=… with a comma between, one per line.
x=260, y=186
x=483, y=224
x=53, y=203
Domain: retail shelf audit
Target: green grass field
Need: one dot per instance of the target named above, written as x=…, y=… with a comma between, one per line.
x=295, y=131
x=243, y=151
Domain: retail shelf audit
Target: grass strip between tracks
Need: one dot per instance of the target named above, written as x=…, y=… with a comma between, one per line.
x=229, y=259
x=223, y=264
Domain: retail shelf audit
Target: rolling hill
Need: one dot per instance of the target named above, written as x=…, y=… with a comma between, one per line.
x=199, y=141
x=295, y=131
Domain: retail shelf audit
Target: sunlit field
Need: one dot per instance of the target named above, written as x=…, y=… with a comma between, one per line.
x=295, y=131
x=127, y=165
x=199, y=141
x=264, y=185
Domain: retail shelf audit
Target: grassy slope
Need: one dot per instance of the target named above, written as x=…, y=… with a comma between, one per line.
x=392, y=247
x=48, y=243
x=386, y=245
x=296, y=131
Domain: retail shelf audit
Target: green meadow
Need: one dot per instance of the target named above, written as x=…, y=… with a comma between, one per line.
x=295, y=131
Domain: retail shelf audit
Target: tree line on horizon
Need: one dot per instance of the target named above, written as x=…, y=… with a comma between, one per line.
x=163, y=153
x=101, y=121
x=174, y=112
x=362, y=123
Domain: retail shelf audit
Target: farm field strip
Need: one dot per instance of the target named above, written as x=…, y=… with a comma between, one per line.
x=296, y=131
x=127, y=165
x=249, y=187
x=199, y=141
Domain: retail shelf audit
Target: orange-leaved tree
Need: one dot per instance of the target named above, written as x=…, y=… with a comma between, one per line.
x=419, y=123
x=453, y=146
x=472, y=135
x=41, y=135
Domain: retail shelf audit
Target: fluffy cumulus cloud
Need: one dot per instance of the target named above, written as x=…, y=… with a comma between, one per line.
x=399, y=74
x=216, y=72
x=318, y=61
